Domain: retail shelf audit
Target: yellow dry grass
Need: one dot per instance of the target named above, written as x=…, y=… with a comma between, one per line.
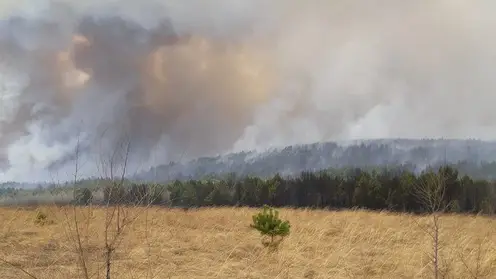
x=218, y=243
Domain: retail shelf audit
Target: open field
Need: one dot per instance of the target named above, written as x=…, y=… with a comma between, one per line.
x=218, y=243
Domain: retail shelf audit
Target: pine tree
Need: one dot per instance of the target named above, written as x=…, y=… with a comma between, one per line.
x=269, y=224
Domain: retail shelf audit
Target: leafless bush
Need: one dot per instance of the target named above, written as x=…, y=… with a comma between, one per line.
x=113, y=167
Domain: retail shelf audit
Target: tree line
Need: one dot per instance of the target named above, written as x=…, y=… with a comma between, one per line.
x=386, y=189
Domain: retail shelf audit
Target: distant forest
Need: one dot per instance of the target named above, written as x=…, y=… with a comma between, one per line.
x=386, y=189
x=372, y=174
x=471, y=157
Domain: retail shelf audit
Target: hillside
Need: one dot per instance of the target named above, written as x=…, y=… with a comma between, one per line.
x=415, y=155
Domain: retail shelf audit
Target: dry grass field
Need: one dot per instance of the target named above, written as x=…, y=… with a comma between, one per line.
x=218, y=243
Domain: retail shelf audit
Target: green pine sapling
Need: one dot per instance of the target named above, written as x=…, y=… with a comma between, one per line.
x=269, y=224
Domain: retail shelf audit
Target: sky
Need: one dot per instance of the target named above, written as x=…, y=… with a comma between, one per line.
x=172, y=80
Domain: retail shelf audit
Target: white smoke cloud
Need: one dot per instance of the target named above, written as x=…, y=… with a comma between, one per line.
x=195, y=78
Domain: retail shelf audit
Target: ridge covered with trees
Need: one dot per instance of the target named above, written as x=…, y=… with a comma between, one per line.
x=471, y=157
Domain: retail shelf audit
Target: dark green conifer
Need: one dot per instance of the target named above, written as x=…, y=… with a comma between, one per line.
x=269, y=224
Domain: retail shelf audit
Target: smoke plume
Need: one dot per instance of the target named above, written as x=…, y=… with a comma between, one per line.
x=180, y=79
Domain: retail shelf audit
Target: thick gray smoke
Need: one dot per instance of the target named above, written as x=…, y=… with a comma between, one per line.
x=179, y=79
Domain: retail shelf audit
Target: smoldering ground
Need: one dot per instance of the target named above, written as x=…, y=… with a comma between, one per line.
x=180, y=79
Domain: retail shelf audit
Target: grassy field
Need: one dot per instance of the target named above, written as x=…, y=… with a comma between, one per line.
x=218, y=243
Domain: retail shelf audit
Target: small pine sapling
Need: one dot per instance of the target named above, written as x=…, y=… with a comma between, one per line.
x=269, y=224
x=42, y=219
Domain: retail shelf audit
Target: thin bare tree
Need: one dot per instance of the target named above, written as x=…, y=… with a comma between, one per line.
x=115, y=168
x=431, y=192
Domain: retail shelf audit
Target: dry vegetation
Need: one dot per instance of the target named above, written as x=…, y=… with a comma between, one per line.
x=218, y=243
